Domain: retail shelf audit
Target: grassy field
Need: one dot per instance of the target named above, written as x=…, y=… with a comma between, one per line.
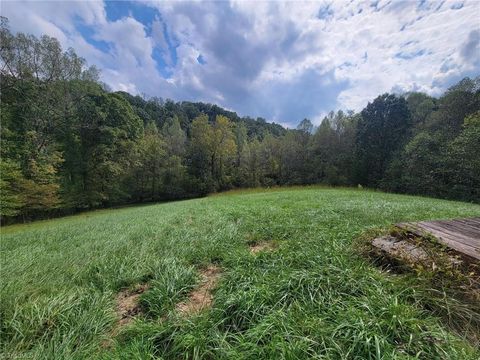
x=311, y=295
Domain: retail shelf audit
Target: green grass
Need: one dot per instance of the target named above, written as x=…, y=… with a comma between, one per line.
x=314, y=296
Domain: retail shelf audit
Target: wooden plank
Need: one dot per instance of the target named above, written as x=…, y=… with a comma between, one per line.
x=432, y=227
x=463, y=227
x=468, y=225
x=448, y=233
x=475, y=221
x=461, y=224
x=462, y=235
x=456, y=245
x=471, y=232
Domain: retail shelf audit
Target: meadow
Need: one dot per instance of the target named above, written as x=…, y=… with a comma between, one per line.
x=308, y=294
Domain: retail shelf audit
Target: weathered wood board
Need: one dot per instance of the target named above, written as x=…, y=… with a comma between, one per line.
x=462, y=235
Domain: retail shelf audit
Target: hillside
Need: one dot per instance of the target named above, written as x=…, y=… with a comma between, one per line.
x=279, y=272
x=159, y=111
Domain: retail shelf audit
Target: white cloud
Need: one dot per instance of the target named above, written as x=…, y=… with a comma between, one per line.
x=280, y=60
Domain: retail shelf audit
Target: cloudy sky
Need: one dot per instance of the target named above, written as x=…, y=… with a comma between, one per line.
x=283, y=61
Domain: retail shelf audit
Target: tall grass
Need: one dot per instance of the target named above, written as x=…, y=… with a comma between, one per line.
x=312, y=297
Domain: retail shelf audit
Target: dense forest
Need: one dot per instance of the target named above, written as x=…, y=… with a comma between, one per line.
x=68, y=143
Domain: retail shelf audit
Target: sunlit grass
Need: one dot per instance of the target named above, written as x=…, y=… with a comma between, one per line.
x=313, y=296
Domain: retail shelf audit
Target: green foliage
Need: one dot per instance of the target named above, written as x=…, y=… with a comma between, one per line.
x=382, y=130
x=424, y=163
x=421, y=106
x=107, y=130
x=147, y=165
x=40, y=189
x=441, y=158
x=200, y=154
x=463, y=162
x=212, y=152
x=10, y=188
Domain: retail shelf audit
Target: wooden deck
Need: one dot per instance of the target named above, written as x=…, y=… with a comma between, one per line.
x=462, y=235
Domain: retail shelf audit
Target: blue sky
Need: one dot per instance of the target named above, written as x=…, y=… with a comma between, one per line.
x=282, y=61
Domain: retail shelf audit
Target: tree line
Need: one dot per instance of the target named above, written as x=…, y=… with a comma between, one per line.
x=68, y=143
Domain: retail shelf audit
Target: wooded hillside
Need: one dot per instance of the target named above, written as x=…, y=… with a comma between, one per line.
x=68, y=143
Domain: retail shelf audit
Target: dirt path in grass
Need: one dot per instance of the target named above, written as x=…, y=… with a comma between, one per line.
x=127, y=303
x=201, y=297
x=263, y=246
